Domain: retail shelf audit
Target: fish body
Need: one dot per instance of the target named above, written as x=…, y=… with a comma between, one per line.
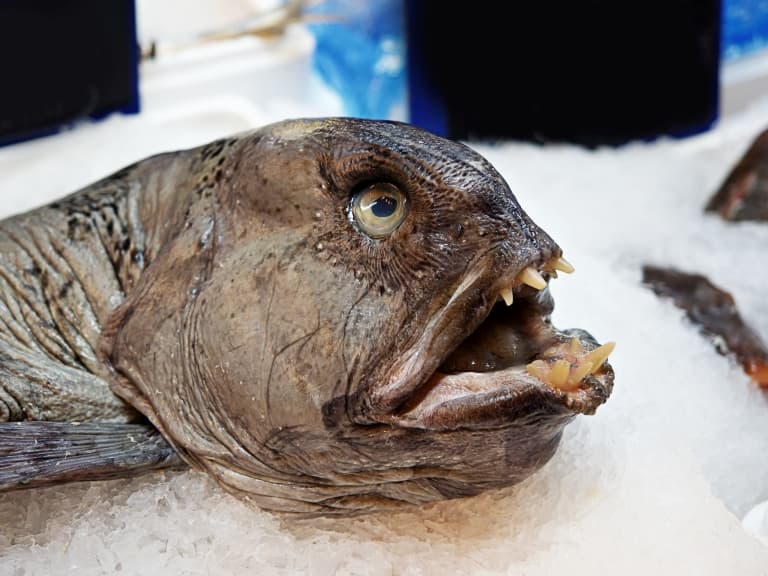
x=329, y=316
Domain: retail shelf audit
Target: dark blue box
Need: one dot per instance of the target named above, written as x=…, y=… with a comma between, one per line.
x=65, y=60
x=593, y=72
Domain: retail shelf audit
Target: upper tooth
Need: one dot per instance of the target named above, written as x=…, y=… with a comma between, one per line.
x=532, y=278
x=506, y=294
x=563, y=265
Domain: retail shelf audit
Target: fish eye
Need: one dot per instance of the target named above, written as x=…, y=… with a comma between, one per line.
x=378, y=209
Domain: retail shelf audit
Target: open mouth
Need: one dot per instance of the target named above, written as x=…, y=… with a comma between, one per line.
x=515, y=364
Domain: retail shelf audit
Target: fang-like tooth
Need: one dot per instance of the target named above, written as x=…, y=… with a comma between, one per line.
x=563, y=265
x=575, y=347
x=532, y=278
x=566, y=374
x=580, y=372
x=558, y=376
x=507, y=295
x=538, y=369
x=599, y=355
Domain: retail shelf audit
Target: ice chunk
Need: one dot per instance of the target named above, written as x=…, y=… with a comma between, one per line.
x=756, y=522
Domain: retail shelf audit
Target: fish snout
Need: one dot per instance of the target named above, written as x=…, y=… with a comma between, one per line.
x=525, y=256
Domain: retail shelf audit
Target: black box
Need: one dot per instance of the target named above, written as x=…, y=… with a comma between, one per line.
x=65, y=60
x=597, y=72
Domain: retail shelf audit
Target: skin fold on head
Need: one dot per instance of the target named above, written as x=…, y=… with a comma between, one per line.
x=338, y=315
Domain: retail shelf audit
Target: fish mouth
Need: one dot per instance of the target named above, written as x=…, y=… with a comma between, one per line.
x=509, y=363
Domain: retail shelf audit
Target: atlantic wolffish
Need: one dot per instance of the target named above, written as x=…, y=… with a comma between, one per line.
x=328, y=316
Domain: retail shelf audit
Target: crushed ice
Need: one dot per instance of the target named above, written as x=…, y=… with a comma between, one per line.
x=656, y=482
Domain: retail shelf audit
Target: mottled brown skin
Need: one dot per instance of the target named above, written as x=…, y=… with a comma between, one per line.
x=226, y=295
x=715, y=312
x=743, y=194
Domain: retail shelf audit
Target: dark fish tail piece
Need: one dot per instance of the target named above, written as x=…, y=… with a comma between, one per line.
x=714, y=311
x=34, y=454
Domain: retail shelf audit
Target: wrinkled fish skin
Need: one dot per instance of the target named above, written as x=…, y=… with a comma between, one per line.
x=223, y=295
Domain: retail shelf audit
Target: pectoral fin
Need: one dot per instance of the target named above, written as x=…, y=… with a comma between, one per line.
x=35, y=453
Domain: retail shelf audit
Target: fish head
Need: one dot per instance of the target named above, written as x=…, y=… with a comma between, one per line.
x=355, y=316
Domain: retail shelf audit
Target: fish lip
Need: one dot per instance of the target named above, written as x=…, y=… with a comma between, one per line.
x=414, y=367
x=525, y=401
x=394, y=402
x=522, y=398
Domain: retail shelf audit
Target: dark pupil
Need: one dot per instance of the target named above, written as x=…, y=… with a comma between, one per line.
x=384, y=206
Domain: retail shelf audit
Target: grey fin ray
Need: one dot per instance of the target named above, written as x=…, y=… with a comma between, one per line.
x=35, y=454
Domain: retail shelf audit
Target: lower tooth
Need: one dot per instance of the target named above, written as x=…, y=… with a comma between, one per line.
x=581, y=371
x=567, y=375
x=575, y=347
x=558, y=375
x=599, y=355
x=538, y=369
